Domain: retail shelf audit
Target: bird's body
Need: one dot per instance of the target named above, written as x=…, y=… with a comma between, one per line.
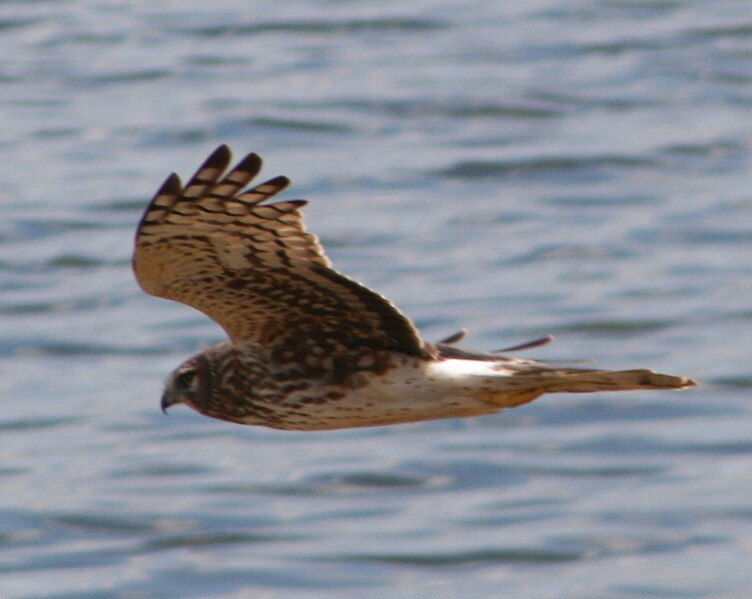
x=246, y=385
x=371, y=394
x=311, y=349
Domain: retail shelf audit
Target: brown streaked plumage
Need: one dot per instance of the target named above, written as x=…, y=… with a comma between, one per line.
x=309, y=348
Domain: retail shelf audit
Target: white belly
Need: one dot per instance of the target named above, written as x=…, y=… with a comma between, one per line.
x=416, y=390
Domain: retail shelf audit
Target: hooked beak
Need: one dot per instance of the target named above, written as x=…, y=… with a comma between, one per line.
x=167, y=401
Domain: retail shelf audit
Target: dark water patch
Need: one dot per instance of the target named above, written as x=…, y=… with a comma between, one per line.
x=617, y=48
x=353, y=515
x=544, y=505
x=10, y=24
x=179, y=136
x=300, y=125
x=39, y=102
x=600, y=472
x=208, y=539
x=593, y=167
x=626, y=445
x=572, y=102
x=653, y=520
x=42, y=308
x=474, y=474
x=369, y=481
x=462, y=108
x=11, y=471
x=129, y=205
x=335, y=484
x=82, y=595
x=494, y=111
x=240, y=582
x=608, y=10
x=721, y=148
x=611, y=545
x=94, y=39
x=190, y=431
x=37, y=348
x=68, y=559
x=592, y=410
x=735, y=514
x=618, y=327
x=24, y=425
x=359, y=240
x=116, y=525
x=61, y=132
x=740, y=448
x=732, y=382
x=713, y=157
x=131, y=76
x=79, y=261
x=572, y=51
x=602, y=202
x=318, y=27
x=660, y=293
x=665, y=591
x=701, y=236
x=182, y=326
x=507, y=518
x=53, y=265
x=702, y=274
x=722, y=31
x=509, y=218
x=160, y=471
x=568, y=251
x=466, y=558
x=40, y=228
x=283, y=489
x=733, y=79
x=214, y=60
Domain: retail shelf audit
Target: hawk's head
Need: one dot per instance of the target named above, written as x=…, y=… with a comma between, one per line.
x=227, y=382
x=190, y=383
x=195, y=382
x=209, y=383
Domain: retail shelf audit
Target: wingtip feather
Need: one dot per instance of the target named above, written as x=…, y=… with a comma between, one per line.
x=171, y=186
x=223, y=152
x=251, y=164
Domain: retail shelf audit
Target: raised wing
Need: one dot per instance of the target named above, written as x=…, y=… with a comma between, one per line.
x=252, y=267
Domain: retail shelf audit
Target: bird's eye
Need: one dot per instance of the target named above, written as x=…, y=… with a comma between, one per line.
x=186, y=379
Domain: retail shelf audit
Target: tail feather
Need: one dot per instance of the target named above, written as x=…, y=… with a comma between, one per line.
x=571, y=380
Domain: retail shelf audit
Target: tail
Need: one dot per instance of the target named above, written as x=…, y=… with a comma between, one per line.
x=528, y=382
x=576, y=380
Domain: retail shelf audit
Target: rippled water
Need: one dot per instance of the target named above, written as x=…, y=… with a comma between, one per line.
x=520, y=168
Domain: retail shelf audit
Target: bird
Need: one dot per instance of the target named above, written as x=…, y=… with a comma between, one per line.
x=310, y=348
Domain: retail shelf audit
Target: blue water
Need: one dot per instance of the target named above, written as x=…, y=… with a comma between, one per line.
x=518, y=168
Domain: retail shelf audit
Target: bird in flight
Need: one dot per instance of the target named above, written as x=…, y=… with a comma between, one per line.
x=310, y=348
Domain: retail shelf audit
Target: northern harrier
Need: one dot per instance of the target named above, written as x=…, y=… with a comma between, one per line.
x=309, y=348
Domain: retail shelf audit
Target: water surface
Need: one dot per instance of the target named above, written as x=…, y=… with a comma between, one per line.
x=517, y=168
